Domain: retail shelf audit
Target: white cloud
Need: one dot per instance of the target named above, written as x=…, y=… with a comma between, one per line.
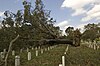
x=77, y=5
x=1, y=14
x=63, y=25
x=81, y=26
x=93, y=13
x=78, y=12
x=81, y=7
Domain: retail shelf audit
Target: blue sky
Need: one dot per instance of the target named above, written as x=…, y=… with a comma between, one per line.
x=76, y=13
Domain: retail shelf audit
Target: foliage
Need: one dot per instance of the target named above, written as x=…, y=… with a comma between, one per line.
x=31, y=24
x=92, y=31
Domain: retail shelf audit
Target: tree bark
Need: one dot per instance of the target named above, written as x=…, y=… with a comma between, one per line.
x=9, y=49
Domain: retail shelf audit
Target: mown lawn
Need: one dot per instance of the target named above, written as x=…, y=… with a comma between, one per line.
x=82, y=56
x=76, y=56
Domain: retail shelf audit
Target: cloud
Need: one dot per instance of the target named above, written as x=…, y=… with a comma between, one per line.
x=63, y=25
x=1, y=14
x=81, y=27
x=76, y=5
x=90, y=8
x=93, y=13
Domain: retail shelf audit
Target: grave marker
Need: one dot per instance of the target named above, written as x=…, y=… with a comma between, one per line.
x=13, y=52
x=27, y=49
x=60, y=64
x=41, y=51
x=36, y=52
x=63, y=60
x=29, y=56
x=17, y=60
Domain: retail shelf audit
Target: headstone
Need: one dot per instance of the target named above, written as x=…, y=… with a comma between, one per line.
x=67, y=48
x=45, y=49
x=65, y=53
x=41, y=51
x=36, y=52
x=32, y=48
x=94, y=47
x=13, y=52
x=91, y=46
x=27, y=49
x=94, y=42
x=63, y=60
x=4, y=51
x=17, y=60
x=60, y=64
x=35, y=48
x=48, y=48
x=98, y=47
x=29, y=56
x=2, y=55
x=39, y=47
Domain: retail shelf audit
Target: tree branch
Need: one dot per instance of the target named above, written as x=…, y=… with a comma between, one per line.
x=9, y=49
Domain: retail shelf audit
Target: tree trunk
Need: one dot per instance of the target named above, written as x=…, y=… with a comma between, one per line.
x=9, y=49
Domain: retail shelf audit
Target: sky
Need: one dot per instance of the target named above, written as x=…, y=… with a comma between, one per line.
x=75, y=13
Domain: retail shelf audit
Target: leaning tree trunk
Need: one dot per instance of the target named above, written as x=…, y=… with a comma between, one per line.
x=9, y=49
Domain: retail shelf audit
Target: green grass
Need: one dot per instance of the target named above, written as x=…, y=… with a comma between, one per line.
x=82, y=56
x=76, y=56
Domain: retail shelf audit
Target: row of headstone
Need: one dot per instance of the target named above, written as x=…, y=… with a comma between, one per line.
x=66, y=49
x=63, y=57
x=37, y=52
x=95, y=47
x=17, y=58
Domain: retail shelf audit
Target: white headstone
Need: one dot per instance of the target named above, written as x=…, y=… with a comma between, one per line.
x=13, y=52
x=48, y=48
x=45, y=49
x=67, y=48
x=4, y=51
x=17, y=60
x=2, y=55
x=97, y=47
x=63, y=60
x=29, y=55
x=91, y=46
x=39, y=47
x=36, y=52
x=64, y=52
x=35, y=48
x=41, y=51
x=27, y=49
x=32, y=48
x=94, y=47
x=94, y=42
x=60, y=64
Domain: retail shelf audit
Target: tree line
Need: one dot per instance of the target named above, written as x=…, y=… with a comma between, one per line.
x=91, y=32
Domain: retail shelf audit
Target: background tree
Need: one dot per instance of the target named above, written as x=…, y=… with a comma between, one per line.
x=91, y=32
x=69, y=32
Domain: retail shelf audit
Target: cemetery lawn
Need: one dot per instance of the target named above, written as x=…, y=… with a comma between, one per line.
x=75, y=56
